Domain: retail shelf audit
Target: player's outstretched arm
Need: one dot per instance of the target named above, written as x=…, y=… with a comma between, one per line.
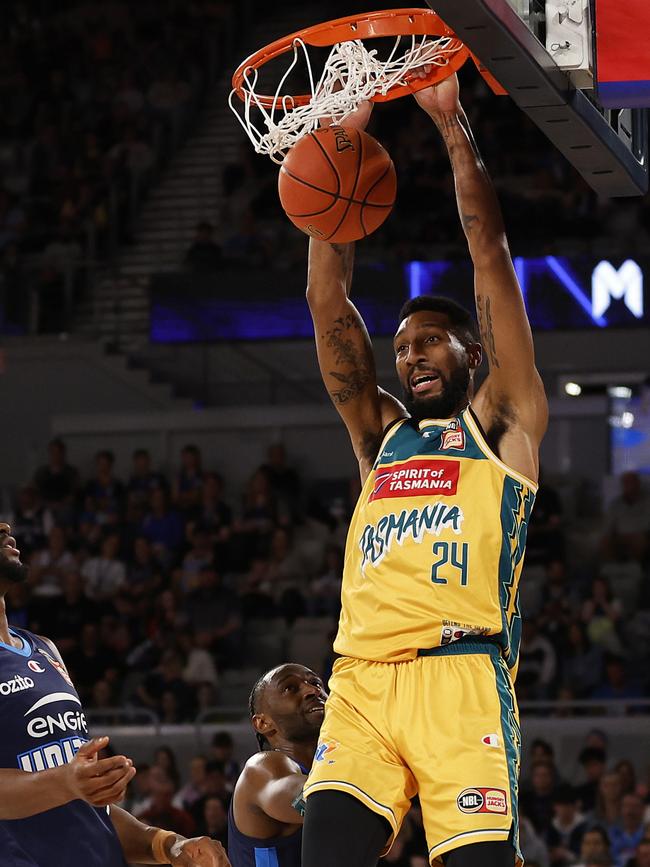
x=143, y=844
x=343, y=345
x=513, y=381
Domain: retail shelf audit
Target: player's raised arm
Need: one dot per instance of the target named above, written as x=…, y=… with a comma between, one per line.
x=343, y=345
x=513, y=382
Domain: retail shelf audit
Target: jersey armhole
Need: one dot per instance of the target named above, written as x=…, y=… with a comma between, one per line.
x=391, y=425
x=482, y=442
x=386, y=433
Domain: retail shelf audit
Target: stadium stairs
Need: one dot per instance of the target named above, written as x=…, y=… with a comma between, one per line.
x=189, y=191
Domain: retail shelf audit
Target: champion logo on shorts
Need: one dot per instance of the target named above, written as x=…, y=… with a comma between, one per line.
x=491, y=740
x=482, y=800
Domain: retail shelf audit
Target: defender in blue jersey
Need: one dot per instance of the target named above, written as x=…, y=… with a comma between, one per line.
x=55, y=791
x=265, y=817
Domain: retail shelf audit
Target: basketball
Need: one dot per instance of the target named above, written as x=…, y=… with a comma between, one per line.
x=337, y=184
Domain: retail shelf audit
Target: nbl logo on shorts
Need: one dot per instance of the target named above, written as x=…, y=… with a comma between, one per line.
x=482, y=800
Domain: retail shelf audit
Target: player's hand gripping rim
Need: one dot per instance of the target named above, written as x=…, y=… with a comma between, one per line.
x=439, y=99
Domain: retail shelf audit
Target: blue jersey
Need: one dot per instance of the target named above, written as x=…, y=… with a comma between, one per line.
x=42, y=725
x=245, y=851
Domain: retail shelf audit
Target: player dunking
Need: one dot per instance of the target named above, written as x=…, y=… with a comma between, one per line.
x=56, y=793
x=422, y=698
x=265, y=816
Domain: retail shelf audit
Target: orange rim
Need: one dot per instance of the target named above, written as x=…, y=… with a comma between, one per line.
x=387, y=22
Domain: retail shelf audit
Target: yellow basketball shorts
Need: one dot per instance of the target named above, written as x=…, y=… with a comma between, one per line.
x=443, y=726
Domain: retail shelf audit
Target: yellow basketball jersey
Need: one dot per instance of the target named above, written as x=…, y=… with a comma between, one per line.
x=435, y=546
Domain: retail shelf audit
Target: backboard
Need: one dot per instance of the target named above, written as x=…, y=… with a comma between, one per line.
x=545, y=53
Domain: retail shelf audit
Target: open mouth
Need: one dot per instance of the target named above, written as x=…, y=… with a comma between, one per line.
x=317, y=708
x=9, y=549
x=422, y=383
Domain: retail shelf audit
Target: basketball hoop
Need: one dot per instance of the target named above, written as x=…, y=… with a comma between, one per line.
x=351, y=75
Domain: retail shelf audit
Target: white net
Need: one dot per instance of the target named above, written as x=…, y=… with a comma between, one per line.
x=351, y=74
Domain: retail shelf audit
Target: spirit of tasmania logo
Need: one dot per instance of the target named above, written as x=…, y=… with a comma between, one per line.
x=419, y=478
x=377, y=539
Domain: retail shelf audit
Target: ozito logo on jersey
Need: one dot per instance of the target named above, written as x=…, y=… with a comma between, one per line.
x=416, y=478
x=482, y=800
x=16, y=684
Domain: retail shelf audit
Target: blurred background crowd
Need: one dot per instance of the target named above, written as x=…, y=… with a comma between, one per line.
x=96, y=99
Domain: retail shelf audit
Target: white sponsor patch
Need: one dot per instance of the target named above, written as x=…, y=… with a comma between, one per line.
x=16, y=684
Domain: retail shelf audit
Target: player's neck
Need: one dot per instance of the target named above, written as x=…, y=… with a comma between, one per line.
x=302, y=753
x=5, y=636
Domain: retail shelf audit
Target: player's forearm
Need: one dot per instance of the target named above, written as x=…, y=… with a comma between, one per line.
x=24, y=794
x=136, y=838
x=478, y=205
x=279, y=799
x=329, y=272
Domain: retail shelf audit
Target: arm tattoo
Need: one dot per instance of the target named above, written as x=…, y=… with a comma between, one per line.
x=485, y=324
x=468, y=221
x=448, y=123
x=347, y=353
x=449, y=126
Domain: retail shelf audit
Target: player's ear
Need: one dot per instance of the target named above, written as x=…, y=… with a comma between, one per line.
x=263, y=724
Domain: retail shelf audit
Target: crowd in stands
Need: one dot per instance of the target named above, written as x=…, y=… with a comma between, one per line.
x=600, y=817
x=94, y=99
x=586, y=624
x=154, y=585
